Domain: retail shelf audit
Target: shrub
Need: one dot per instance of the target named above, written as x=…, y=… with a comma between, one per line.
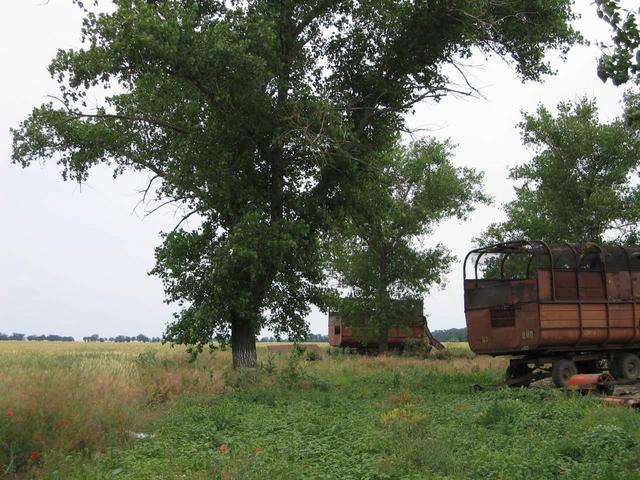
x=340, y=351
x=313, y=356
x=241, y=378
x=417, y=347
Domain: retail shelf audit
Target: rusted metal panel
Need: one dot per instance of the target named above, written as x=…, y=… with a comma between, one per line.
x=577, y=297
x=591, y=286
x=502, y=293
x=544, y=285
x=565, y=284
x=619, y=285
x=335, y=330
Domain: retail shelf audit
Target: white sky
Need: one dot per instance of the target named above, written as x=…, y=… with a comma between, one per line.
x=74, y=261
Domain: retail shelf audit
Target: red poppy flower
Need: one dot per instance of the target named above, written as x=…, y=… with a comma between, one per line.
x=35, y=454
x=258, y=450
x=223, y=448
x=62, y=421
x=10, y=413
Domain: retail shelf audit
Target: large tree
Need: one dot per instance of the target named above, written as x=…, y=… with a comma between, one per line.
x=582, y=183
x=257, y=117
x=380, y=255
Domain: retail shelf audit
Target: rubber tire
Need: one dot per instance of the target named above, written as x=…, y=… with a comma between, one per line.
x=515, y=371
x=628, y=366
x=561, y=371
x=612, y=363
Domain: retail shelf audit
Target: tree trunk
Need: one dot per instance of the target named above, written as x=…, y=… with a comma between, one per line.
x=383, y=341
x=243, y=344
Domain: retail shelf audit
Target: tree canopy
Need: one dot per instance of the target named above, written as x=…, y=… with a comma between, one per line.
x=621, y=61
x=582, y=183
x=380, y=256
x=257, y=118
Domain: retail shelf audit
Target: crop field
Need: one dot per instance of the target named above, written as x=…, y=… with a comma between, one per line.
x=135, y=411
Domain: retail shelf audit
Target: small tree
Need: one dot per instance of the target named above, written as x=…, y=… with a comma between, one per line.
x=381, y=257
x=582, y=183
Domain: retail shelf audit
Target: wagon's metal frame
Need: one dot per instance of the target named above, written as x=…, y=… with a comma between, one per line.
x=606, y=259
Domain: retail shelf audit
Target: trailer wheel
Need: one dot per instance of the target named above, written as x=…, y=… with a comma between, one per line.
x=561, y=371
x=614, y=369
x=628, y=366
x=515, y=373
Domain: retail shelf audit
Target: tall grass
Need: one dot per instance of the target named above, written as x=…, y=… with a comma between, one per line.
x=59, y=398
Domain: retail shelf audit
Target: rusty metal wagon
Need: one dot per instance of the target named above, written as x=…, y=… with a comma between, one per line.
x=357, y=335
x=571, y=307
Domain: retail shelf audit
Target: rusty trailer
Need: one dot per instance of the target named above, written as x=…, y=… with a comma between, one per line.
x=572, y=307
x=357, y=334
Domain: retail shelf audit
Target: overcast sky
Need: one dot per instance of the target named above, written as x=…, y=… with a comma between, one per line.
x=74, y=260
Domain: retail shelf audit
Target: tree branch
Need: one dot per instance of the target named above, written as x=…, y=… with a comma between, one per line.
x=135, y=118
x=184, y=218
x=163, y=204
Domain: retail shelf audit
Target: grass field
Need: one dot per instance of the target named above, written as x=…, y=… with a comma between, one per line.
x=131, y=411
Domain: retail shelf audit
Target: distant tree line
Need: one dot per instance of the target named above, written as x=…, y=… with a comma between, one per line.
x=93, y=338
x=451, y=335
x=311, y=337
x=122, y=339
x=35, y=338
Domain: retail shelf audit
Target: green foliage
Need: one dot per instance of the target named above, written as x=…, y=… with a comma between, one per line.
x=268, y=365
x=312, y=356
x=258, y=120
x=341, y=351
x=417, y=347
x=450, y=335
x=147, y=359
x=452, y=351
x=621, y=62
x=294, y=371
x=242, y=378
x=17, y=443
x=402, y=423
x=380, y=255
x=582, y=183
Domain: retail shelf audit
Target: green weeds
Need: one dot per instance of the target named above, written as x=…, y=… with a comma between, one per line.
x=341, y=417
x=380, y=419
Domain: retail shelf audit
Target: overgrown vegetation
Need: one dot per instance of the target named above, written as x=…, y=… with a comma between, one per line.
x=344, y=416
x=451, y=335
x=79, y=398
x=620, y=61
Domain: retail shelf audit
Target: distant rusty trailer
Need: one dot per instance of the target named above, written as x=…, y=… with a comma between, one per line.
x=356, y=333
x=355, y=336
x=572, y=306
